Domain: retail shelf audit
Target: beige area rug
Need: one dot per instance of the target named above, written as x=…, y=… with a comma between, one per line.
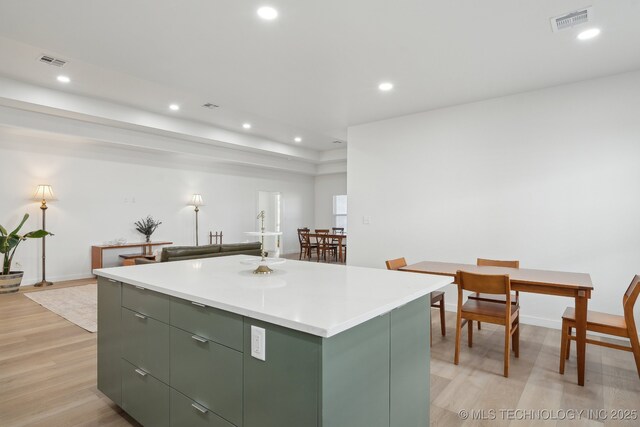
x=77, y=304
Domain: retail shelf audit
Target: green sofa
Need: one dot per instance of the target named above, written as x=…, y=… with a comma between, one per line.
x=180, y=253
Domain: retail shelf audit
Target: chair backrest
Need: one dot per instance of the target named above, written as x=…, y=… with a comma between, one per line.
x=322, y=230
x=303, y=236
x=337, y=230
x=497, y=263
x=484, y=283
x=215, y=236
x=628, y=303
x=395, y=264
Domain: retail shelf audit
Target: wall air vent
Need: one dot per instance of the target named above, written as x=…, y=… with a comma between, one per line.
x=52, y=61
x=570, y=20
x=210, y=106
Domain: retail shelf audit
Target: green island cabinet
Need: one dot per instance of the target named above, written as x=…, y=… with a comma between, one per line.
x=168, y=361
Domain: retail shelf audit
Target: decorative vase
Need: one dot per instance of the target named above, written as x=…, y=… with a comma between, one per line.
x=148, y=239
x=10, y=283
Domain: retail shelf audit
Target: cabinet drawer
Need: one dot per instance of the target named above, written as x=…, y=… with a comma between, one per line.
x=186, y=412
x=208, y=373
x=149, y=303
x=145, y=343
x=213, y=324
x=144, y=397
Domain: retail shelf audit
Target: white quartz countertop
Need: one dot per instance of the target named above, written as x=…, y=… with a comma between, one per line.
x=319, y=299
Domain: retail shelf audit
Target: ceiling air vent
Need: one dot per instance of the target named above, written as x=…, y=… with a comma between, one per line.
x=52, y=61
x=210, y=106
x=570, y=20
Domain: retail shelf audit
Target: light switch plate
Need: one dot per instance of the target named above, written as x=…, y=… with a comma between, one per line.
x=258, y=343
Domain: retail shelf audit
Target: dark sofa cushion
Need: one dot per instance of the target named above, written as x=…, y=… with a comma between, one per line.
x=236, y=247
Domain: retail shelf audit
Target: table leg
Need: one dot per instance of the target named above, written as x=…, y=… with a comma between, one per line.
x=581, y=333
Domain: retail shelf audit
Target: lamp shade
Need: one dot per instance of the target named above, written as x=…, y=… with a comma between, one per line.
x=196, y=200
x=44, y=192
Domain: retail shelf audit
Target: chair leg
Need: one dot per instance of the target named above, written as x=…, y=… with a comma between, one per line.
x=569, y=332
x=443, y=328
x=470, y=332
x=456, y=357
x=564, y=340
x=507, y=352
x=516, y=339
x=635, y=348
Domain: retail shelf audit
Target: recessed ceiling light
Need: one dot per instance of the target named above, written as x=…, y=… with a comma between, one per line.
x=174, y=107
x=64, y=79
x=297, y=139
x=589, y=34
x=268, y=13
x=385, y=86
x=246, y=125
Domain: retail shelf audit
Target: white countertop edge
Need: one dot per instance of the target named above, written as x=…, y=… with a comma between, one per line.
x=303, y=327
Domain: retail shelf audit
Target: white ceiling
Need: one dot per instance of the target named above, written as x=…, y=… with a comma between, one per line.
x=314, y=71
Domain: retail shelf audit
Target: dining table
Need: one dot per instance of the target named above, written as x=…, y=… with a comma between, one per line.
x=559, y=283
x=337, y=237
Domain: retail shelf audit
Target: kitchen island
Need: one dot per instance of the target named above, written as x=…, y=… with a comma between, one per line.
x=207, y=343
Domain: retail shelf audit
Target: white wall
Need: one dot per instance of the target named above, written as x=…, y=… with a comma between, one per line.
x=97, y=183
x=327, y=186
x=549, y=177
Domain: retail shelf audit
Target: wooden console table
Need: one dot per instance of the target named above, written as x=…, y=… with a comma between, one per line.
x=96, y=251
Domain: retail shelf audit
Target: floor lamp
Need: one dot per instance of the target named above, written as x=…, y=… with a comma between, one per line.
x=44, y=192
x=196, y=201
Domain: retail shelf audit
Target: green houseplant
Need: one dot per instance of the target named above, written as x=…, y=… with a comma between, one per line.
x=9, y=242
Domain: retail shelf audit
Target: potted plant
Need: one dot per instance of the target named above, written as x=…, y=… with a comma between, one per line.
x=147, y=226
x=9, y=242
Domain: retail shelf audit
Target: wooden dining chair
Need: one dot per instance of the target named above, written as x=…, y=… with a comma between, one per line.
x=215, y=238
x=323, y=245
x=336, y=242
x=609, y=324
x=506, y=314
x=305, y=243
x=496, y=298
x=437, y=297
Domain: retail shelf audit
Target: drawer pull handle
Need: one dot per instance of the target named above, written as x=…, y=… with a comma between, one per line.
x=197, y=304
x=139, y=287
x=141, y=372
x=199, y=339
x=141, y=316
x=112, y=281
x=200, y=408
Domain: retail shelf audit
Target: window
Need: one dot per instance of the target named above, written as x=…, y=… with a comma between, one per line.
x=340, y=211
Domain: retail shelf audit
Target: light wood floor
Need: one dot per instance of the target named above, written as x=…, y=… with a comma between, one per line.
x=48, y=374
x=612, y=381
x=48, y=369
